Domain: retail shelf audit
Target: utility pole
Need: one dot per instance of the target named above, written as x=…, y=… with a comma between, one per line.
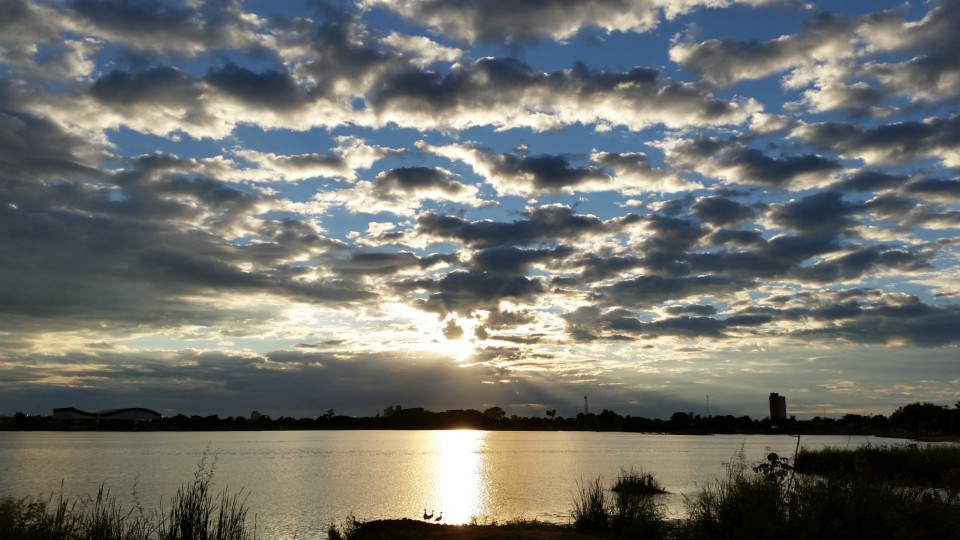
x=586, y=409
x=708, y=405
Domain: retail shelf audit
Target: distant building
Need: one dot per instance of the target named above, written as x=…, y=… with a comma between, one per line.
x=131, y=414
x=778, y=406
x=255, y=415
x=391, y=410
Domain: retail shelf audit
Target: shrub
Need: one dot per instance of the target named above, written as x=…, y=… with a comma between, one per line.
x=197, y=514
x=636, y=512
x=590, y=507
x=631, y=511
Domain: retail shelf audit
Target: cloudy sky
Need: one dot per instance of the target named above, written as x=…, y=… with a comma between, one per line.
x=215, y=206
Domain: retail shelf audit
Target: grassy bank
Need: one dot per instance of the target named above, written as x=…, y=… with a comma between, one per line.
x=914, y=465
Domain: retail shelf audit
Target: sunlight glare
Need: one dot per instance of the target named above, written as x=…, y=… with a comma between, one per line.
x=460, y=484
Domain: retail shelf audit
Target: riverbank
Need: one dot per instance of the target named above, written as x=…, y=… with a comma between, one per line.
x=407, y=529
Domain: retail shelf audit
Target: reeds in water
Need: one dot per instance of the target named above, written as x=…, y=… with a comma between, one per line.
x=196, y=513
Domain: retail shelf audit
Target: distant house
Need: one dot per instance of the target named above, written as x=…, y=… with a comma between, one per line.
x=130, y=414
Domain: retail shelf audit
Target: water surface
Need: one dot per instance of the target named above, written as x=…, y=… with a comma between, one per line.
x=297, y=482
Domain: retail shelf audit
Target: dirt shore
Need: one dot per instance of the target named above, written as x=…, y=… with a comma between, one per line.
x=408, y=529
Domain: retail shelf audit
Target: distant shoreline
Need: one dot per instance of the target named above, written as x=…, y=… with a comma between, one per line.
x=920, y=421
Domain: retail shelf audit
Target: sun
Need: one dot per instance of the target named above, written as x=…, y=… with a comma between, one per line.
x=458, y=337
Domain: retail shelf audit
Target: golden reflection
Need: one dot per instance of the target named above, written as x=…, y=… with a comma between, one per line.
x=460, y=489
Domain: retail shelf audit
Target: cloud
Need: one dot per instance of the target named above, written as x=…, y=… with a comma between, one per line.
x=516, y=22
x=894, y=143
x=178, y=28
x=718, y=210
x=824, y=213
x=734, y=163
x=464, y=292
x=519, y=174
x=351, y=155
x=220, y=196
x=485, y=93
x=513, y=260
x=33, y=147
x=649, y=290
x=634, y=174
x=899, y=321
x=935, y=189
x=727, y=61
x=547, y=222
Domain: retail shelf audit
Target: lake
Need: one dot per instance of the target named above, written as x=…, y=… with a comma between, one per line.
x=298, y=482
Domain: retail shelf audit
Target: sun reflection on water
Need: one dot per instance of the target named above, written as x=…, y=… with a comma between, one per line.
x=460, y=486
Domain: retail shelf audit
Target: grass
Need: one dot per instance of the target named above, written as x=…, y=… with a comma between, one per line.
x=196, y=513
x=933, y=465
x=772, y=501
x=629, y=511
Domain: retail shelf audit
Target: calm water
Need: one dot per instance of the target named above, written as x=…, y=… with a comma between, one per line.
x=300, y=481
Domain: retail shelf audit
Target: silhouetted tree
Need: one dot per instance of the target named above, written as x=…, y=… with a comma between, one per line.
x=495, y=413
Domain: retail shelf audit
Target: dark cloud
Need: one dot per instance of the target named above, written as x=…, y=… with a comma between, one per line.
x=740, y=164
x=867, y=180
x=858, y=263
x=414, y=179
x=514, y=260
x=755, y=167
x=764, y=259
x=824, y=213
x=890, y=206
x=597, y=268
x=671, y=234
x=728, y=61
x=36, y=148
x=648, y=291
x=271, y=89
x=900, y=142
x=906, y=322
x=345, y=61
x=174, y=27
x=514, y=22
x=539, y=224
x=463, y=292
x=20, y=21
x=549, y=173
x=694, y=309
x=588, y=324
x=430, y=99
x=935, y=188
x=718, y=210
x=165, y=84
x=364, y=263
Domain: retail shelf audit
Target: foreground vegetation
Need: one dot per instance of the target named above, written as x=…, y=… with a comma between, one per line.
x=196, y=512
x=906, y=492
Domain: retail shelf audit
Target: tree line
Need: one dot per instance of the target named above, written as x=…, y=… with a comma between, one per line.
x=915, y=419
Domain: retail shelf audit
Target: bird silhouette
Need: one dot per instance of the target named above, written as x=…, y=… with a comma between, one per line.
x=439, y=517
x=426, y=515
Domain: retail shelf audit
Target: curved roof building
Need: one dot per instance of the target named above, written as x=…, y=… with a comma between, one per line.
x=135, y=414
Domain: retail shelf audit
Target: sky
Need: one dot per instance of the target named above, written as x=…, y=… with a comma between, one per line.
x=218, y=206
